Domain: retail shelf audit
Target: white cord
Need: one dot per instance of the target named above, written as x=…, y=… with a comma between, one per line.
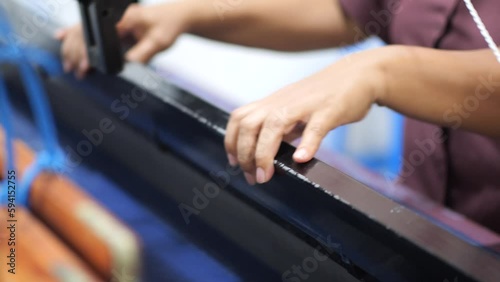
x=482, y=29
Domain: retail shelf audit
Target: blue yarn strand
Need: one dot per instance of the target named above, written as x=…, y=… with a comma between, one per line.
x=51, y=157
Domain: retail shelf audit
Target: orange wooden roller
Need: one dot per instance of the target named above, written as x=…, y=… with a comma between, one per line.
x=110, y=247
x=30, y=252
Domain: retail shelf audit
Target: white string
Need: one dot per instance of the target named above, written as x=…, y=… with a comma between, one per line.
x=482, y=29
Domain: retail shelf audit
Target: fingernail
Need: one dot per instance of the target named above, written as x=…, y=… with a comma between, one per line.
x=250, y=179
x=232, y=160
x=261, y=176
x=300, y=154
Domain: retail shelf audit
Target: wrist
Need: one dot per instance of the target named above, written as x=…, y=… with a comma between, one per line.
x=389, y=62
x=197, y=15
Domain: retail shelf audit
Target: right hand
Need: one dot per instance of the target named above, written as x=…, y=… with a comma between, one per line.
x=155, y=28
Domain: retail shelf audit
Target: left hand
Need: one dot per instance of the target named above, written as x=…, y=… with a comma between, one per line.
x=340, y=94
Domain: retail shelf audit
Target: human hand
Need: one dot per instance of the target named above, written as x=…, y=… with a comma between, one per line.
x=340, y=94
x=154, y=27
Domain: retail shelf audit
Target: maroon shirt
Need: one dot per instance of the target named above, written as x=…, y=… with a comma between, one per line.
x=454, y=167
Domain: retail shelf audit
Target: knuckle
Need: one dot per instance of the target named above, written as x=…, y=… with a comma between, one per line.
x=160, y=39
x=249, y=125
x=244, y=157
x=282, y=113
x=237, y=114
x=281, y=118
x=276, y=123
x=266, y=135
x=245, y=151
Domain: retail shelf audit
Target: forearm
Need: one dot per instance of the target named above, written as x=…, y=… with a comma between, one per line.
x=456, y=89
x=289, y=25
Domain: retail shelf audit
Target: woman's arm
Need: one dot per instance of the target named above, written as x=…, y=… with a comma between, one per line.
x=448, y=88
x=457, y=89
x=286, y=25
x=289, y=25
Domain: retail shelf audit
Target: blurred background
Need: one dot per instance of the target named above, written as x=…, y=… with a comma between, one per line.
x=235, y=75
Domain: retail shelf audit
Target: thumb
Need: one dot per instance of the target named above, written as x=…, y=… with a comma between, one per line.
x=131, y=20
x=151, y=44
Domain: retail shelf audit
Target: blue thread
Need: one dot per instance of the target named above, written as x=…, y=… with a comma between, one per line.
x=43, y=58
x=51, y=158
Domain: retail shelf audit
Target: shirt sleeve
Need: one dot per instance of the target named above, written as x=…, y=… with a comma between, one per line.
x=373, y=17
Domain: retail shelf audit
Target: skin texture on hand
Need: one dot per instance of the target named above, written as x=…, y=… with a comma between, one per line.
x=340, y=94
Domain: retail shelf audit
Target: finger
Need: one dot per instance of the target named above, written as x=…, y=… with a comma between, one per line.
x=67, y=67
x=265, y=151
x=74, y=54
x=268, y=144
x=246, y=144
x=83, y=67
x=147, y=47
x=66, y=57
x=60, y=34
x=142, y=51
x=317, y=128
x=72, y=44
x=232, y=131
x=294, y=133
x=130, y=20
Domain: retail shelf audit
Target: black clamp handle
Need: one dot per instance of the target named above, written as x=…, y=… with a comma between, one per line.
x=99, y=19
